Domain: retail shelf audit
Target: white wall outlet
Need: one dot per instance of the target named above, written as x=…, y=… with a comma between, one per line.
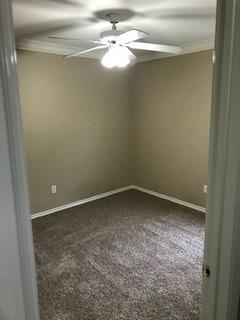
x=205, y=188
x=54, y=188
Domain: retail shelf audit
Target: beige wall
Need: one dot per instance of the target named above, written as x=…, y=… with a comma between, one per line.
x=90, y=130
x=77, y=122
x=172, y=101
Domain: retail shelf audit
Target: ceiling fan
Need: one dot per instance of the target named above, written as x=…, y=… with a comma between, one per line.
x=119, y=44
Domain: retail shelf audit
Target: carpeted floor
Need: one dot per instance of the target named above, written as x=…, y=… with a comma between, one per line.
x=130, y=256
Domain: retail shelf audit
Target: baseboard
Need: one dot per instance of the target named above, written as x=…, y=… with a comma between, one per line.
x=109, y=193
x=163, y=196
x=77, y=203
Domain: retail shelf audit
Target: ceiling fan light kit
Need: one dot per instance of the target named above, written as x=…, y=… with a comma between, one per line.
x=118, y=44
x=117, y=56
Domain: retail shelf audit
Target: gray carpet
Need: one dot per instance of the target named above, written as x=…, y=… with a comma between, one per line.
x=130, y=256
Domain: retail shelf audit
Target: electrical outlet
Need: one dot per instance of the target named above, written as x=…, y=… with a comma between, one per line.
x=54, y=189
x=205, y=188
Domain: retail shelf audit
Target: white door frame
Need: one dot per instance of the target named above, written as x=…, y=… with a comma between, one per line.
x=222, y=246
x=18, y=294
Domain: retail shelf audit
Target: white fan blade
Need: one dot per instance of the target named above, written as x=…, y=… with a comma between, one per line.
x=154, y=47
x=131, y=36
x=75, y=54
x=98, y=42
x=62, y=38
x=73, y=39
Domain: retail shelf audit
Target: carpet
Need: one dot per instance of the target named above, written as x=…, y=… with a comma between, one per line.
x=130, y=256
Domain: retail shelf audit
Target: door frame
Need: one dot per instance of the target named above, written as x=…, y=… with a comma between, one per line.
x=220, y=298
x=18, y=290
x=18, y=296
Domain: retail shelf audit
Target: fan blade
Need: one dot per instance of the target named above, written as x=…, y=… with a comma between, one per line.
x=74, y=39
x=62, y=38
x=75, y=54
x=98, y=42
x=131, y=36
x=154, y=47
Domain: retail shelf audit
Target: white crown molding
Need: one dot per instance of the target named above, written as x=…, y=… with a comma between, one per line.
x=40, y=46
x=109, y=193
x=47, y=47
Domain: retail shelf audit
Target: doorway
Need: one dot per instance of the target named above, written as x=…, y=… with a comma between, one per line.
x=219, y=62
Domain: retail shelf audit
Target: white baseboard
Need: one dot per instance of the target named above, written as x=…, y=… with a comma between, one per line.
x=77, y=203
x=109, y=193
x=163, y=196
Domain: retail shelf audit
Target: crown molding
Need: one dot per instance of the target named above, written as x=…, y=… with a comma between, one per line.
x=47, y=47
x=40, y=46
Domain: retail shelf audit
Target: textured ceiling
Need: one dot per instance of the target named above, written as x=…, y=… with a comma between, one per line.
x=172, y=22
